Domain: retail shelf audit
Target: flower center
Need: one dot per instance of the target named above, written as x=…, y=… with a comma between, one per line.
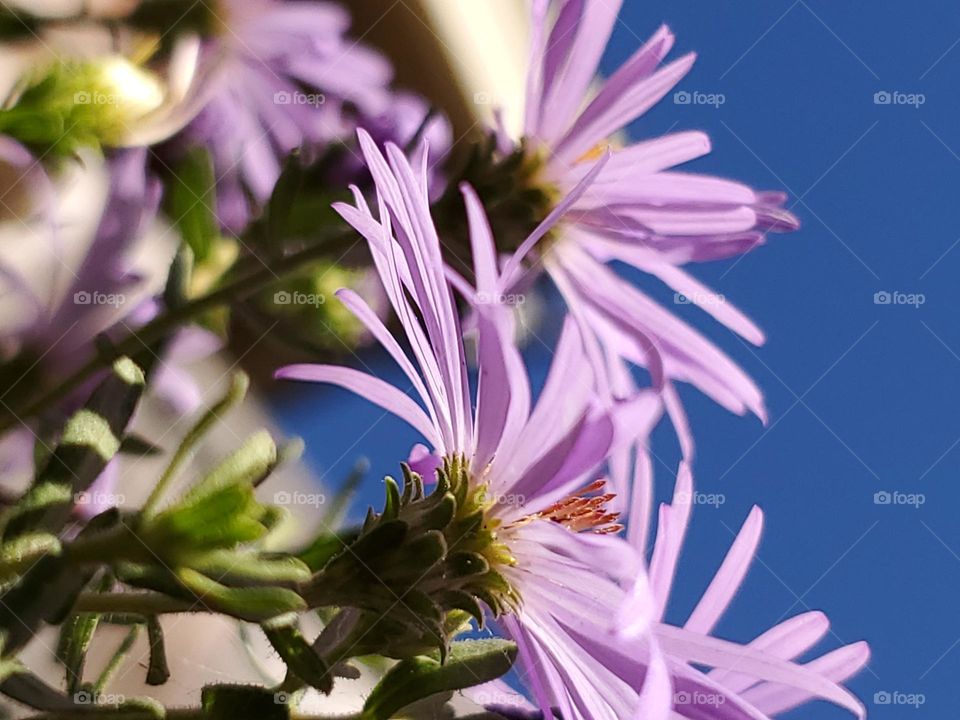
x=583, y=511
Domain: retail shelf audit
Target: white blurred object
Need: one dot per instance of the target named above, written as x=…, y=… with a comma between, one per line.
x=162, y=98
x=72, y=8
x=485, y=44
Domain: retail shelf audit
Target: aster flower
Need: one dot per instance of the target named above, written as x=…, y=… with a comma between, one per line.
x=638, y=209
x=286, y=77
x=89, y=260
x=532, y=467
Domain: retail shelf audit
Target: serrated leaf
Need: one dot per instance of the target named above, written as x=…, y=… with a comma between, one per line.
x=470, y=662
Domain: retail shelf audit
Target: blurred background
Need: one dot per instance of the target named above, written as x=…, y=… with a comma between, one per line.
x=852, y=108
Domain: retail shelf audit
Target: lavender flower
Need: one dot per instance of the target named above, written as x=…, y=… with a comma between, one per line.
x=570, y=577
x=92, y=265
x=636, y=210
x=286, y=77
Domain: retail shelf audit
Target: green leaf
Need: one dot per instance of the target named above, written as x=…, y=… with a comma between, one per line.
x=253, y=604
x=191, y=202
x=391, y=506
x=469, y=663
x=75, y=637
x=223, y=518
x=251, y=567
x=20, y=554
x=90, y=440
x=301, y=659
x=252, y=461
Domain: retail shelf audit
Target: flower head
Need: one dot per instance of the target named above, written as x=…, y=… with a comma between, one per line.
x=285, y=77
x=627, y=205
x=578, y=603
x=532, y=467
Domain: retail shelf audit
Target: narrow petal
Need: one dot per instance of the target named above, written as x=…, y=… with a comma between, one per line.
x=368, y=387
x=727, y=581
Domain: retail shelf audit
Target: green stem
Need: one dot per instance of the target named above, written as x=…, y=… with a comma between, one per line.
x=163, y=325
x=238, y=389
x=117, y=660
x=134, y=603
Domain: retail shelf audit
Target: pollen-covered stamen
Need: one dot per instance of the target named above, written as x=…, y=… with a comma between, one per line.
x=583, y=511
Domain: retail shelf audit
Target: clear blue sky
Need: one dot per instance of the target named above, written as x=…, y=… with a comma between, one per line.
x=863, y=397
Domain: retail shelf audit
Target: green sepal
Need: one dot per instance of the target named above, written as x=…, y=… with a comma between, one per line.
x=464, y=601
x=466, y=564
x=391, y=506
x=325, y=547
